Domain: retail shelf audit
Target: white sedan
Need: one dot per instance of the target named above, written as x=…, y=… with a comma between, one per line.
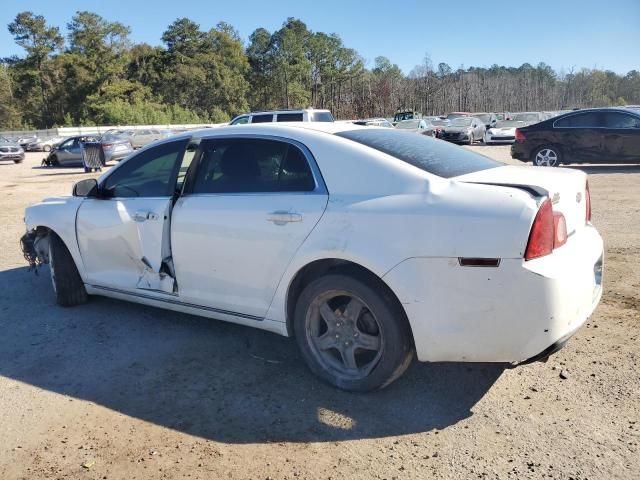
x=369, y=245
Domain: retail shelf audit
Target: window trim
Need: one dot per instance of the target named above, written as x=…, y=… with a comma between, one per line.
x=597, y=112
x=320, y=185
x=174, y=174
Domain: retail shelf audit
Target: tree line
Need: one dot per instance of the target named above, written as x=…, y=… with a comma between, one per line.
x=97, y=75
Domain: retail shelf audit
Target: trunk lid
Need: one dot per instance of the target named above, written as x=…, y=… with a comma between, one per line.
x=565, y=187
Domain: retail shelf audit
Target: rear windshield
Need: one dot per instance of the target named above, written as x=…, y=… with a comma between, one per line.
x=320, y=117
x=434, y=156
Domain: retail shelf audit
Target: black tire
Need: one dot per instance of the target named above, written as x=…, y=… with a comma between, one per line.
x=382, y=319
x=87, y=169
x=547, y=156
x=18, y=160
x=67, y=284
x=54, y=161
x=471, y=139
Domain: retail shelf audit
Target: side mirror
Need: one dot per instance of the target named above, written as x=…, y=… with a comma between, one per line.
x=86, y=188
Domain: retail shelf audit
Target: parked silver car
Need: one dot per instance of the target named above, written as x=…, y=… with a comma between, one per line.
x=10, y=150
x=464, y=130
x=140, y=138
x=69, y=153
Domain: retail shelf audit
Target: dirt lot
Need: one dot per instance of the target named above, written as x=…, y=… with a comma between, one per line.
x=112, y=390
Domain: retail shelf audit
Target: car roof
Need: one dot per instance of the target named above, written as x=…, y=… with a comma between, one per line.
x=262, y=128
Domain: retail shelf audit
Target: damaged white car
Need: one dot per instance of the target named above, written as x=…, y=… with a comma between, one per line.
x=369, y=245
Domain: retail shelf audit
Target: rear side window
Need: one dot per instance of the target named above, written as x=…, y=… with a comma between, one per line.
x=580, y=120
x=252, y=166
x=320, y=117
x=262, y=118
x=289, y=117
x=434, y=156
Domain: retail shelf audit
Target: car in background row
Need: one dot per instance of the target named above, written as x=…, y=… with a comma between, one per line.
x=439, y=125
x=302, y=115
x=418, y=126
x=600, y=135
x=399, y=116
x=463, y=130
x=489, y=119
x=374, y=122
x=40, y=145
x=140, y=138
x=453, y=115
x=115, y=146
x=10, y=150
x=505, y=131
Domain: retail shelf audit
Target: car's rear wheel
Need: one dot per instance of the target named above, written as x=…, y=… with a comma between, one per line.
x=18, y=160
x=352, y=334
x=67, y=284
x=46, y=148
x=547, y=156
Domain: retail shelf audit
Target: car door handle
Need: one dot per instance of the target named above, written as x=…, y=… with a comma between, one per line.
x=142, y=216
x=281, y=217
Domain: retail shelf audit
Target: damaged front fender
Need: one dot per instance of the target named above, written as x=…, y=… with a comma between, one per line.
x=35, y=248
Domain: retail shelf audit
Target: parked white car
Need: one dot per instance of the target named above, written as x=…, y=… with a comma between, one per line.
x=368, y=244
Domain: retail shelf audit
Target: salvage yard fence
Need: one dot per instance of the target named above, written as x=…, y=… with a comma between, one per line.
x=98, y=130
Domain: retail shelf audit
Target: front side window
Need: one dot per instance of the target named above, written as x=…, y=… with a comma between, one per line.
x=252, y=166
x=240, y=120
x=621, y=120
x=151, y=173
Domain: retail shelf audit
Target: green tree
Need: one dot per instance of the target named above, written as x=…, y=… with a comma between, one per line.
x=39, y=40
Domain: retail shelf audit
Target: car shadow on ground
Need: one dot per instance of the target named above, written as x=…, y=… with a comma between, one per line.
x=211, y=379
x=606, y=169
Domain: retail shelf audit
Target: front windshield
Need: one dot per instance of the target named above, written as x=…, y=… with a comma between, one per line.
x=526, y=117
x=485, y=117
x=440, y=123
x=451, y=116
x=113, y=136
x=461, y=122
x=409, y=124
x=398, y=117
x=509, y=123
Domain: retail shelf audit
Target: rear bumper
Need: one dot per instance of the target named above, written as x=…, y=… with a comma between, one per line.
x=116, y=156
x=510, y=313
x=520, y=152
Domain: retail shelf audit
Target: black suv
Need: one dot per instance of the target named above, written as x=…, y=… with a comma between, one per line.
x=598, y=135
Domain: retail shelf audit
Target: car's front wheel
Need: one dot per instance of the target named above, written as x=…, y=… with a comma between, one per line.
x=67, y=284
x=46, y=148
x=352, y=333
x=547, y=156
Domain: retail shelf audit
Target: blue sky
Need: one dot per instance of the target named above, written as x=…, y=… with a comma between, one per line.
x=564, y=34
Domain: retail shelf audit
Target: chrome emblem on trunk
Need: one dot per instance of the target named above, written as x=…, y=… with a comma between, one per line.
x=578, y=197
x=556, y=198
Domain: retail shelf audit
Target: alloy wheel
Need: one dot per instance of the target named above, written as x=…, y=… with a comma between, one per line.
x=344, y=334
x=546, y=157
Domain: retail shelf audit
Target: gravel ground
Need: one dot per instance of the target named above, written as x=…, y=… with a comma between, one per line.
x=112, y=390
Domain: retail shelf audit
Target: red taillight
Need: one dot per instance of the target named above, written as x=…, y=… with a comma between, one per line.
x=520, y=137
x=559, y=230
x=587, y=201
x=107, y=145
x=541, y=237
